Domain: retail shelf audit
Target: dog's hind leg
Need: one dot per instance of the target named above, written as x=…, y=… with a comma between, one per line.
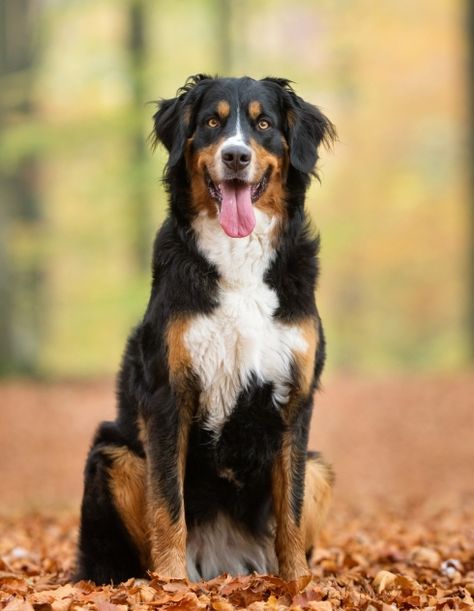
x=319, y=479
x=112, y=538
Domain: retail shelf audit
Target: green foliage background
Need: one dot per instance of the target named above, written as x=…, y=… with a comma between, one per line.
x=81, y=197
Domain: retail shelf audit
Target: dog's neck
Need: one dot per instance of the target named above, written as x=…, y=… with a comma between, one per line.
x=239, y=261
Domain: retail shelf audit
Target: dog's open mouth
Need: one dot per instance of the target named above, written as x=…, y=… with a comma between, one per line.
x=235, y=199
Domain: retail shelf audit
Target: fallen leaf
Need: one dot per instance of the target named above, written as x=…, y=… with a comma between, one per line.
x=426, y=556
x=470, y=587
x=383, y=580
x=307, y=596
x=61, y=605
x=298, y=585
x=18, y=604
x=323, y=605
x=105, y=605
x=402, y=581
x=221, y=605
x=146, y=593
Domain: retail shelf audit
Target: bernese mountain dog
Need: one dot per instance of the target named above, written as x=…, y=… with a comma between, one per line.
x=205, y=469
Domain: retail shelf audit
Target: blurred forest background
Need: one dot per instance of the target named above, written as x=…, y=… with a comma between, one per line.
x=81, y=197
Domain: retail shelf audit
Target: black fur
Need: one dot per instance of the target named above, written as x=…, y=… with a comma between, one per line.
x=106, y=550
x=249, y=441
x=185, y=283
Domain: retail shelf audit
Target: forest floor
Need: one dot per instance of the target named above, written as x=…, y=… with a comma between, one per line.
x=400, y=534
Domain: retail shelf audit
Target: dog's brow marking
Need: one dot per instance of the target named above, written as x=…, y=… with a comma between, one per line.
x=255, y=109
x=223, y=109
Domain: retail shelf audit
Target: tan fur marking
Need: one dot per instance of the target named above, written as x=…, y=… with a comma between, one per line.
x=179, y=359
x=168, y=543
x=168, y=537
x=305, y=360
x=142, y=434
x=127, y=485
x=255, y=109
x=289, y=537
x=197, y=163
x=272, y=201
x=181, y=377
x=319, y=479
x=223, y=109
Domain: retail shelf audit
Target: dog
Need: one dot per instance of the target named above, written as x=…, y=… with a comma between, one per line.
x=205, y=469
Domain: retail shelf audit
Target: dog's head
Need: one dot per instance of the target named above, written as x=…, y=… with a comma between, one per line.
x=238, y=139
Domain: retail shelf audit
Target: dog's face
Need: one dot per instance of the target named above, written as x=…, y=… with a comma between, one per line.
x=238, y=138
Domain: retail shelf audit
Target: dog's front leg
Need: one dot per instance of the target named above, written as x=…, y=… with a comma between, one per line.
x=288, y=493
x=167, y=432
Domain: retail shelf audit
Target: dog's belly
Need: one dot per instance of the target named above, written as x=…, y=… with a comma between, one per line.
x=239, y=342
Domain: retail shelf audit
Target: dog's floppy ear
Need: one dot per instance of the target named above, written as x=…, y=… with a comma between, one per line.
x=174, y=120
x=169, y=128
x=306, y=128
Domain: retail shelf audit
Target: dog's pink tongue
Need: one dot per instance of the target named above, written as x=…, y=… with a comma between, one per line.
x=236, y=216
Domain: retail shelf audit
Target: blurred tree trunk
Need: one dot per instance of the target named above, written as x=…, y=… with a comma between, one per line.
x=239, y=45
x=232, y=18
x=224, y=36
x=470, y=79
x=21, y=310
x=140, y=212
x=6, y=305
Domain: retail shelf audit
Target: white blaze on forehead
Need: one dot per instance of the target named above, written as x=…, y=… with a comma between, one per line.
x=237, y=137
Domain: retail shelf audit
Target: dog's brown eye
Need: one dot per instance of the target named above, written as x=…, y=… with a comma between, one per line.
x=263, y=124
x=213, y=122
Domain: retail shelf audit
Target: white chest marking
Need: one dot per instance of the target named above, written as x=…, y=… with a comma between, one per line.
x=240, y=339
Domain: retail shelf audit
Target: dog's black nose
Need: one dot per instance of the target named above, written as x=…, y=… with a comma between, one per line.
x=236, y=156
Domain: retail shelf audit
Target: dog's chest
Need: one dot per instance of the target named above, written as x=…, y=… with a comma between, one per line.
x=240, y=342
